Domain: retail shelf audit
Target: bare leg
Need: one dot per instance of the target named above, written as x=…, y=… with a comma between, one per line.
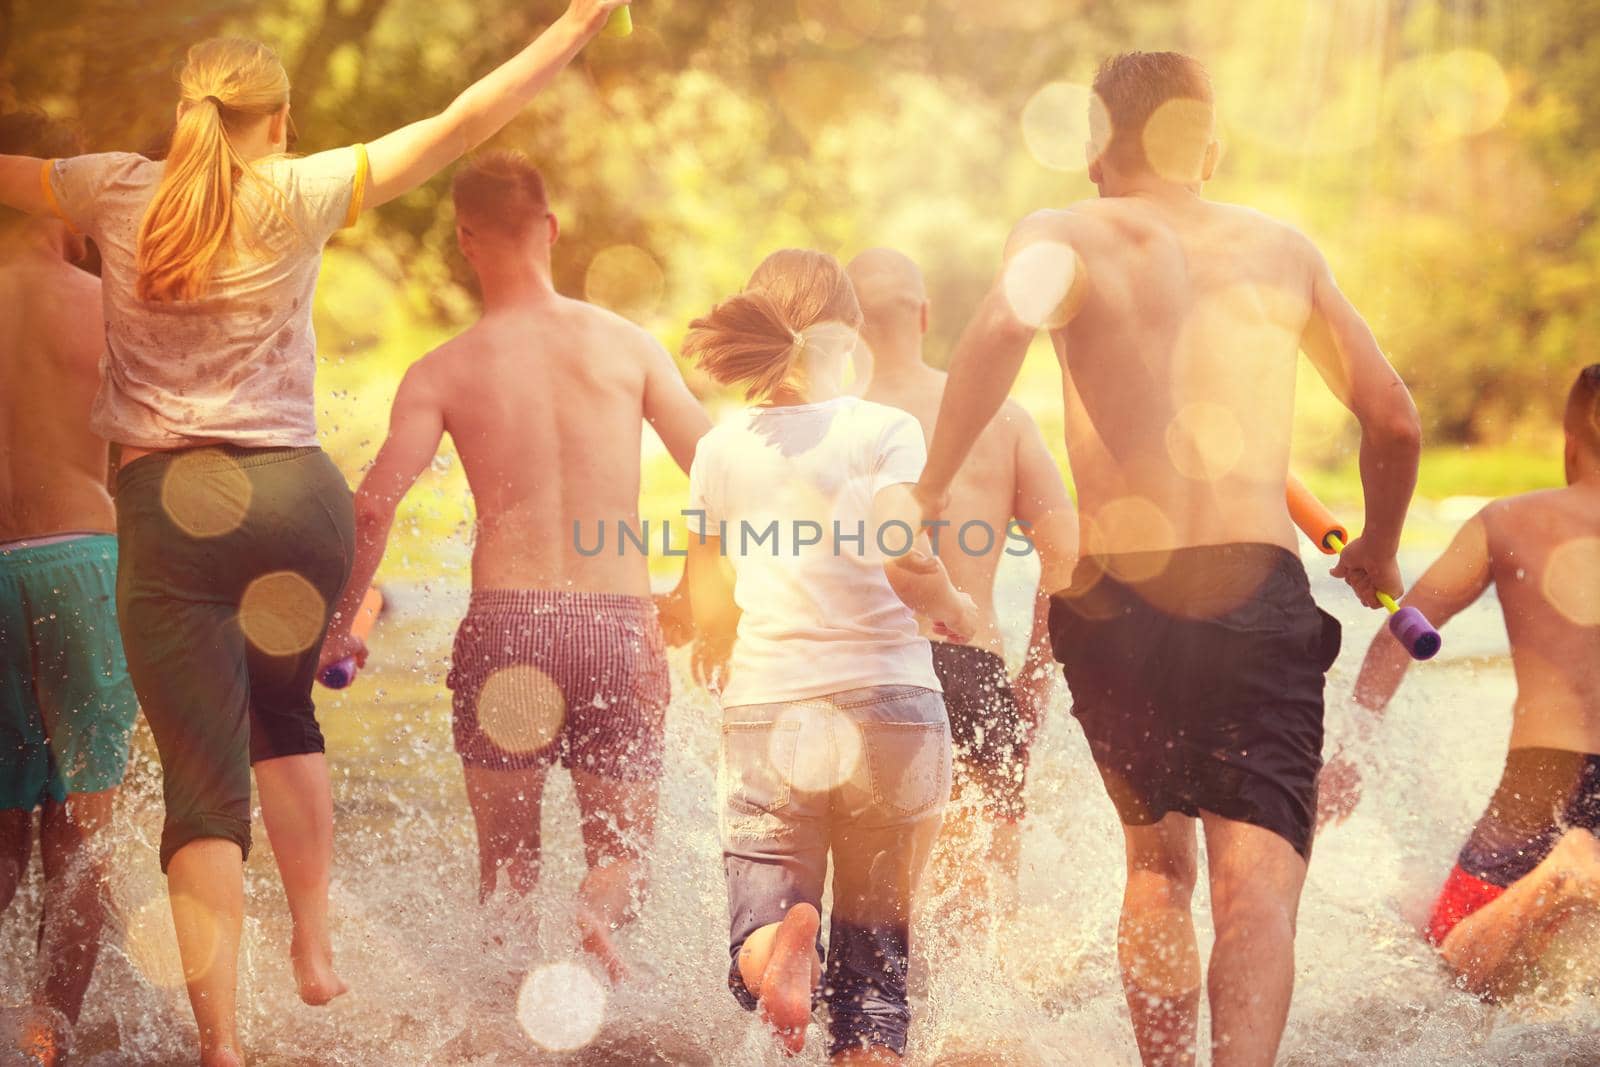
x=1492, y=948
x=205, y=882
x=16, y=846
x=1156, y=943
x=75, y=871
x=297, y=806
x=619, y=822
x=505, y=806
x=779, y=964
x=1256, y=878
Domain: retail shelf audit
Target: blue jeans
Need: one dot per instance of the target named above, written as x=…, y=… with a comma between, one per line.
x=865, y=774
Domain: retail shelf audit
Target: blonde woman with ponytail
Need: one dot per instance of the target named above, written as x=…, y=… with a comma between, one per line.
x=835, y=737
x=235, y=531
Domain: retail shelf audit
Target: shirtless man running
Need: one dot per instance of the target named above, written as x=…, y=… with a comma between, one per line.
x=66, y=705
x=1532, y=861
x=1195, y=654
x=1010, y=476
x=560, y=656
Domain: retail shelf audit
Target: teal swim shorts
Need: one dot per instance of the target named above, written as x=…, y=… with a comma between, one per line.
x=66, y=705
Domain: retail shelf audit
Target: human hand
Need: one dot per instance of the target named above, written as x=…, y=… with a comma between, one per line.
x=592, y=15
x=1370, y=569
x=341, y=645
x=959, y=621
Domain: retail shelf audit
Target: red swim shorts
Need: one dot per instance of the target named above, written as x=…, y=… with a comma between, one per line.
x=1461, y=896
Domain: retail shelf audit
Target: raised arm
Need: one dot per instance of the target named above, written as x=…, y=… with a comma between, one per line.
x=22, y=185
x=1455, y=580
x=990, y=353
x=1344, y=351
x=416, y=426
x=671, y=409
x=402, y=160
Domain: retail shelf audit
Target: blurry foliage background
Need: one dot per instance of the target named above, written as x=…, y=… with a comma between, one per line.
x=1444, y=153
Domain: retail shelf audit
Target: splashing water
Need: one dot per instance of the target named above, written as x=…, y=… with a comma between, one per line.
x=436, y=979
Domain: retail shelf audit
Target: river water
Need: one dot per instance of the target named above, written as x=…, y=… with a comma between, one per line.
x=435, y=978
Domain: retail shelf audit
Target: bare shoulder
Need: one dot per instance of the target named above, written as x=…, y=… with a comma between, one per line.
x=1284, y=236
x=1067, y=224
x=623, y=336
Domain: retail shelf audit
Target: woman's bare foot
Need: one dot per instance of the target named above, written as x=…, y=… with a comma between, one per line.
x=313, y=971
x=785, y=997
x=594, y=934
x=43, y=1038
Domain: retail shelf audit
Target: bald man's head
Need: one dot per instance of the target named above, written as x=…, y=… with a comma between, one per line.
x=890, y=288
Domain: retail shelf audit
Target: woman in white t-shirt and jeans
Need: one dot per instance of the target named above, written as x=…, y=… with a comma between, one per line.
x=834, y=735
x=234, y=530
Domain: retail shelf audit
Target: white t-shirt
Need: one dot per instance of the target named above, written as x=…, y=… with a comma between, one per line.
x=789, y=491
x=238, y=365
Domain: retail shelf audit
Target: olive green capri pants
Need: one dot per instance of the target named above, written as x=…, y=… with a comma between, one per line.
x=232, y=560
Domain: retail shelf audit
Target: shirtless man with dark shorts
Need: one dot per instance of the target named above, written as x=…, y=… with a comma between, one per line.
x=1010, y=477
x=1193, y=649
x=560, y=657
x=1532, y=861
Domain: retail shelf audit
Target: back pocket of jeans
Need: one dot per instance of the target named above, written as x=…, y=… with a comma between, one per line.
x=758, y=765
x=909, y=765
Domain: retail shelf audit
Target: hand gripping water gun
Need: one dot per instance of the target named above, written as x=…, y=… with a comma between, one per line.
x=620, y=24
x=340, y=675
x=1409, y=626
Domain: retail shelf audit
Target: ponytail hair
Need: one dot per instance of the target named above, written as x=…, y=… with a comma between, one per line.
x=226, y=83
x=758, y=339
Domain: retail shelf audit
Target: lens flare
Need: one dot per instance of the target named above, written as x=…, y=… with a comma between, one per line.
x=1133, y=533
x=521, y=709
x=1176, y=137
x=1205, y=441
x=1055, y=125
x=205, y=493
x=282, y=613
x=1038, y=282
x=151, y=945
x=561, y=1006
x=827, y=752
x=1572, y=580
x=1450, y=96
x=626, y=279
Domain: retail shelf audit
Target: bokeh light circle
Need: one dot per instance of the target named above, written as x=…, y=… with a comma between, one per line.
x=1055, y=125
x=1038, y=281
x=205, y=493
x=521, y=709
x=1205, y=441
x=282, y=613
x=1176, y=136
x=150, y=942
x=561, y=1006
x=1449, y=96
x=827, y=751
x=1572, y=580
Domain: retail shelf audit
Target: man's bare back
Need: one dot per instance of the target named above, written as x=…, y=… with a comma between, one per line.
x=52, y=469
x=546, y=406
x=1179, y=369
x=1544, y=551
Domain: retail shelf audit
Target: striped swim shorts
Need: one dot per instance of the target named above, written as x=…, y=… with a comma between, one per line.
x=539, y=675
